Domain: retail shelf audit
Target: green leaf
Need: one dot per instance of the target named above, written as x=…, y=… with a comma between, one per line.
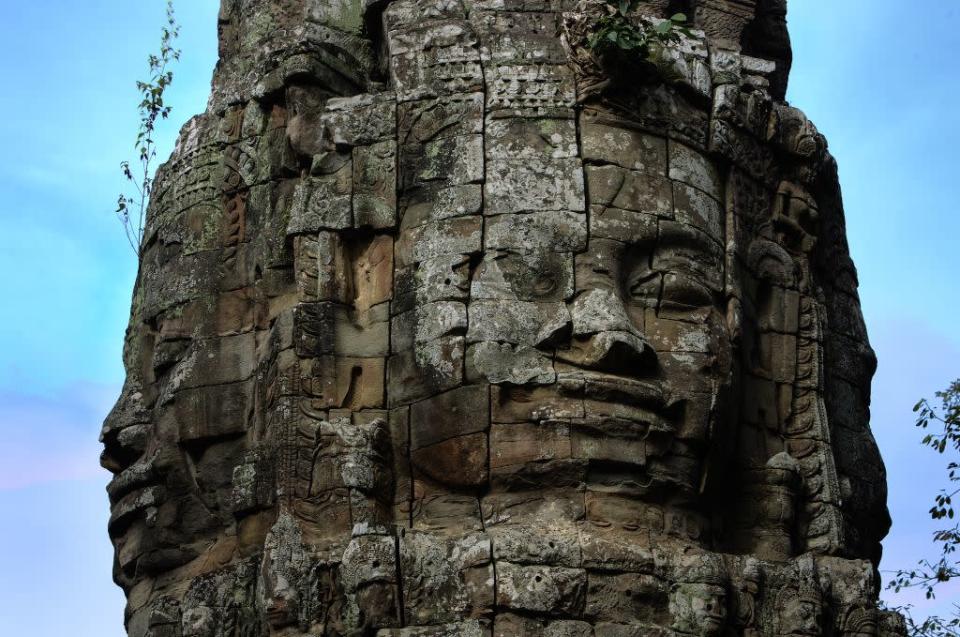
x=664, y=27
x=678, y=18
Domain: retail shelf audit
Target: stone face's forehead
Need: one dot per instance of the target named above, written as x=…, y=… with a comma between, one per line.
x=446, y=327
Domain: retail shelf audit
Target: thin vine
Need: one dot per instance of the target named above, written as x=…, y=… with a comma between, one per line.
x=132, y=208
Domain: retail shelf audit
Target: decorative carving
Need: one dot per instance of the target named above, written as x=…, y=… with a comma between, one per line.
x=860, y=621
x=699, y=600
x=746, y=589
x=797, y=608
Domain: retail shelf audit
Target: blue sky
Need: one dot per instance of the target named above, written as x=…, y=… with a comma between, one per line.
x=876, y=78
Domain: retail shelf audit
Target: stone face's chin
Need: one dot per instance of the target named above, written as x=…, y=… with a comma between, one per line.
x=279, y=616
x=459, y=331
x=714, y=622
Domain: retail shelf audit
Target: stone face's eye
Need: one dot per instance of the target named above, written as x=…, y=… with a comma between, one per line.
x=681, y=291
x=543, y=277
x=643, y=287
x=543, y=284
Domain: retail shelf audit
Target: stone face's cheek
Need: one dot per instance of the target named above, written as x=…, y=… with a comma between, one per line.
x=677, y=336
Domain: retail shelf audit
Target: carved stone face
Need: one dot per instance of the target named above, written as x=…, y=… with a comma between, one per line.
x=621, y=326
x=700, y=609
x=800, y=615
x=442, y=331
x=608, y=336
x=175, y=471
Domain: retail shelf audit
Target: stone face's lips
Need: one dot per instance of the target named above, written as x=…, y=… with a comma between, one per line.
x=131, y=505
x=715, y=619
x=613, y=388
x=132, y=492
x=137, y=476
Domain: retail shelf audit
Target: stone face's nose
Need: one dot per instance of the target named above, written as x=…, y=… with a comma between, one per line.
x=604, y=338
x=600, y=310
x=125, y=433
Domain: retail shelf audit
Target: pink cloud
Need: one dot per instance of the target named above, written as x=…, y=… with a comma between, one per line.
x=52, y=438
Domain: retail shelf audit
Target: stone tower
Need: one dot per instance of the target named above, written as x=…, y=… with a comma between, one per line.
x=446, y=325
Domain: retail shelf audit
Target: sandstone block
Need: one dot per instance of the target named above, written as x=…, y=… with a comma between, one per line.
x=458, y=412
x=445, y=578
x=694, y=169
x=560, y=230
x=531, y=138
x=530, y=183
x=541, y=589
x=617, y=187
x=505, y=363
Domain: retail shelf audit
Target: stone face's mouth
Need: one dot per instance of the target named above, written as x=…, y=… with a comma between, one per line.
x=618, y=405
x=132, y=492
x=714, y=618
x=613, y=388
x=279, y=615
x=133, y=504
x=137, y=476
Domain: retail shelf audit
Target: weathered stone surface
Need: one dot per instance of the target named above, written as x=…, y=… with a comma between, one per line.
x=446, y=326
x=502, y=363
x=551, y=590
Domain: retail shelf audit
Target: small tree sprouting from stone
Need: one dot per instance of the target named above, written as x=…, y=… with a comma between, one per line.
x=619, y=34
x=942, y=427
x=132, y=208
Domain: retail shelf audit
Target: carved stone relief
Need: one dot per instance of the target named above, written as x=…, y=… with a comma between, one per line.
x=444, y=329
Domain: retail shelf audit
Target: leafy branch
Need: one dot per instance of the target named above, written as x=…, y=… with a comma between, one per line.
x=943, y=435
x=931, y=626
x=640, y=38
x=132, y=208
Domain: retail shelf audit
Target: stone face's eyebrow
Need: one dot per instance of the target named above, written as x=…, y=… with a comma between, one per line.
x=687, y=250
